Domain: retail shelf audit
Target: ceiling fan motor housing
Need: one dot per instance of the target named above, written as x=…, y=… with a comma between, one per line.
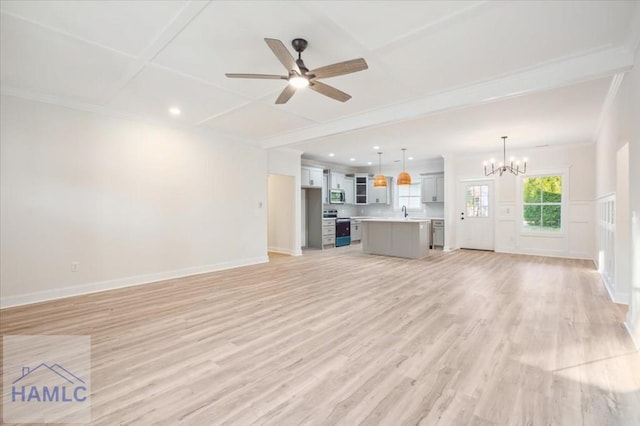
x=299, y=44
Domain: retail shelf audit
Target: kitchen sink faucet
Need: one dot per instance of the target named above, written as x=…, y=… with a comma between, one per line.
x=404, y=211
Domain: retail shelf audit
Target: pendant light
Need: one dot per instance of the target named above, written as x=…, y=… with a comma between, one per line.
x=379, y=180
x=404, y=178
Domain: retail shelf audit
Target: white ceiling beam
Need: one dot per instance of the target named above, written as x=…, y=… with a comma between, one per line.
x=552, y=75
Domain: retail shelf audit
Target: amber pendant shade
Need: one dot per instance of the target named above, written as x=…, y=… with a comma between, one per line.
x=379, y=180
x=404, y=178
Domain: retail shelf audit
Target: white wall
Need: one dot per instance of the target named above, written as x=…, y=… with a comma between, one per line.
x=132, y=202
x=633, y=317
x=612, y=182
x=617, y=172
x=286, y=162
x=576, y=163
x=281, y=215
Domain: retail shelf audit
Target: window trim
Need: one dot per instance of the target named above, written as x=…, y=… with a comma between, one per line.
x=398, y=205
x=564, y=174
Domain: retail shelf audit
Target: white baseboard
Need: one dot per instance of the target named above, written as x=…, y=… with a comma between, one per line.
x=621, y=298
x=290, y=252
x=544, y=253
x=633, y=339
x=61, y=293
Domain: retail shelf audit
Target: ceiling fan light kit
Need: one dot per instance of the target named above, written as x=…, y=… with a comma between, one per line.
x=299, y=76
x=404, y=178
x=379, y=180
x=502, y=166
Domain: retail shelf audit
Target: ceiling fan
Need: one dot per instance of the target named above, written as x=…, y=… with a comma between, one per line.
x=300, y=76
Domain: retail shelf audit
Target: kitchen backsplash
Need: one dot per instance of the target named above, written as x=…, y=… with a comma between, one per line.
x=382, y=210
x=344, y=210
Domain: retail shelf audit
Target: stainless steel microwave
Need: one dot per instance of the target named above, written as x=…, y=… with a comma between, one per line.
x=336, y=196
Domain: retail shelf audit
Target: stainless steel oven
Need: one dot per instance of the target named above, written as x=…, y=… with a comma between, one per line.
x=343, y=231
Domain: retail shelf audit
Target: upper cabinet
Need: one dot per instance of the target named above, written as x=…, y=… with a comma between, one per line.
x=336, y=180
x=349, y=190
x=311, y=177
x=325, y=188
x=381, y=195
x=433, y=189
x=361, y=188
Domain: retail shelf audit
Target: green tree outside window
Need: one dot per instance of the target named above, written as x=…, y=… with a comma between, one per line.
x=542, y=204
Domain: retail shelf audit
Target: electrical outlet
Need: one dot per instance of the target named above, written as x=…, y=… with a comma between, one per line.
x=75, y=266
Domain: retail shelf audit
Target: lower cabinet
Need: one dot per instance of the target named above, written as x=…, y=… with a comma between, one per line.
x=356, y=230
x=328, y=232
x=438, y=233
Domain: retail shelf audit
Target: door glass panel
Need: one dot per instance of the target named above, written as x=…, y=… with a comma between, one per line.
x=477, y=200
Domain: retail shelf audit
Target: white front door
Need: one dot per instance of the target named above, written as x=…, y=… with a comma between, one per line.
x=475, y=214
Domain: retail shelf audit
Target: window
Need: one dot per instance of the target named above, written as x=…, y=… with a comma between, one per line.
x=542, y=204
x=477, y=199
x=409, y=195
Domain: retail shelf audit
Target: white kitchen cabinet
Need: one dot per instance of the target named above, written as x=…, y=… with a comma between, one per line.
x=328, y=231
x=311, y=177
x=349, y=190
x=356, y=230
x=380, y=195
x=361, y=188
x=433, y=189
x=325, y=188
x=336, y=180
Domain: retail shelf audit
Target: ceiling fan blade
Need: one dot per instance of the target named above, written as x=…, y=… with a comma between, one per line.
x=329, y=91
x=282, y=54
x=341, y=68
x=286, y=94
x=263, y=76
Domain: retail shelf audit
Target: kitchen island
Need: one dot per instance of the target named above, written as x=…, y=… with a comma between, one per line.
x=396, y=237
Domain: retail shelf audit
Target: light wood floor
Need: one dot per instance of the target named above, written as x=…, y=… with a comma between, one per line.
x=337, y=337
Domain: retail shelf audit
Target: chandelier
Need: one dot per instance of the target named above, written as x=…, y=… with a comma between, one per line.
x=502, y=166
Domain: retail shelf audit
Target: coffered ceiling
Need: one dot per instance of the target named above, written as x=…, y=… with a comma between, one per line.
x=444, y=77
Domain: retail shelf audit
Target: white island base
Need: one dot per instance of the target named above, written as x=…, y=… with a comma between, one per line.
x=396, y=237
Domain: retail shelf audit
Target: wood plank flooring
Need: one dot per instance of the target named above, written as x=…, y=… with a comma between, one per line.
x=339, y=337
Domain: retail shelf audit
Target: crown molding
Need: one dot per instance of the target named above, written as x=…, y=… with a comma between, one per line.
x=614, y=87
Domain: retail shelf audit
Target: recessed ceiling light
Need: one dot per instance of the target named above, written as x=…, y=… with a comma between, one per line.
x=409, y=158
x=331, y=154
x=369, y=163
x=174, y=111
x=376, y=147
x=352, y=159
